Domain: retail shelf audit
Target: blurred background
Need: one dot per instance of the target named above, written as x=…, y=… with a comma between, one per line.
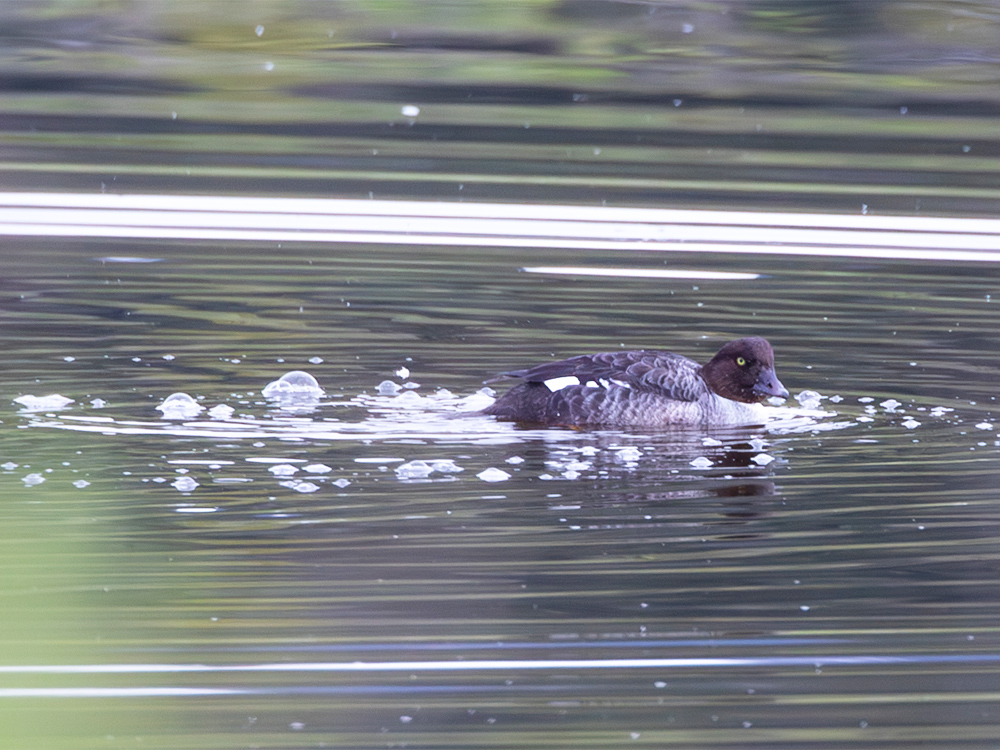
x=754, y=104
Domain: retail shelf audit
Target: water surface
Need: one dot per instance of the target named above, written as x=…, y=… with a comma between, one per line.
x=366, y=569
x=830, y=572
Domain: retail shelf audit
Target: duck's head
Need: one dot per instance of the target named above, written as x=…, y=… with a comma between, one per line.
x=743, y=370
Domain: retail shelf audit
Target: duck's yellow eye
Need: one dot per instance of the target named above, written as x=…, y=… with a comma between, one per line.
x=740, y=361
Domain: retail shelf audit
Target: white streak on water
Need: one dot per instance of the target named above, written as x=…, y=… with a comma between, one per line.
x=491, y=665
x=488, y=224
x=641, y=273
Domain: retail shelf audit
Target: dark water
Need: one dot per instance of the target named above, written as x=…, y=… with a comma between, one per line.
x=287, y=575
x=843, y=592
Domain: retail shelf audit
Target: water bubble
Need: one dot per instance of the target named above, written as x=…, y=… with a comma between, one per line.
x=414, y=470
x=409, y=400
x=295, y=388
x=702, y=462
x=388, y=388
x=179, y=406
x=299, y=485
x=418, y=469
x=317, y=469
x=221, y=411
x=493, y=475
x=42, y=403
x=184, y=484
x=809, y=399
x=628, y=454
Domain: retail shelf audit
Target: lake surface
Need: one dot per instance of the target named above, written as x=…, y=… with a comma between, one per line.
x=370, y=567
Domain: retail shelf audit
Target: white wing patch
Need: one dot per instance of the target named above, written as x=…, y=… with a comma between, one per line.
x=557, y=384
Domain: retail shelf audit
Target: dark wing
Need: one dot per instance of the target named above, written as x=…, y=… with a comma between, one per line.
x=664, y=373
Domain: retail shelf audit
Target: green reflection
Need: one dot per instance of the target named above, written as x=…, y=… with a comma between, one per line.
x=58, y=598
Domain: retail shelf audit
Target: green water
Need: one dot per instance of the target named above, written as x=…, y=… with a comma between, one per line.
x=871, y=542
x=826, y=584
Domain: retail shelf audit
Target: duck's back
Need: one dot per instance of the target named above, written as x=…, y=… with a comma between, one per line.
x=628, y=388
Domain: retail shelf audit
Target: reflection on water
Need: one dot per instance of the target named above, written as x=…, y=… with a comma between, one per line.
x=403, y=199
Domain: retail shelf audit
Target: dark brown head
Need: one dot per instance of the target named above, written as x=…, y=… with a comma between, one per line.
x=743, y=370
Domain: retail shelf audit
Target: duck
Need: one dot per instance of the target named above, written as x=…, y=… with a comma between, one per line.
x=645, y=389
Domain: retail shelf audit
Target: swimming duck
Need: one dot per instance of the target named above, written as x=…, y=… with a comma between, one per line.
x=646, y=389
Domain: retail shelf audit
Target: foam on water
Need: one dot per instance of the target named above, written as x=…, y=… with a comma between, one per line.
x=52, y=402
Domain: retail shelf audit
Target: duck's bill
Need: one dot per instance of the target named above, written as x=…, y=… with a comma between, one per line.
x=768, y=385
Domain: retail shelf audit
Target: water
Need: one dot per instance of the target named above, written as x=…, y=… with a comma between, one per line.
x=608, y=585
x=365, y=569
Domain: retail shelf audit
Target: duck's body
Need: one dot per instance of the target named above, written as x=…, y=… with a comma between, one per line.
x=646, y=389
